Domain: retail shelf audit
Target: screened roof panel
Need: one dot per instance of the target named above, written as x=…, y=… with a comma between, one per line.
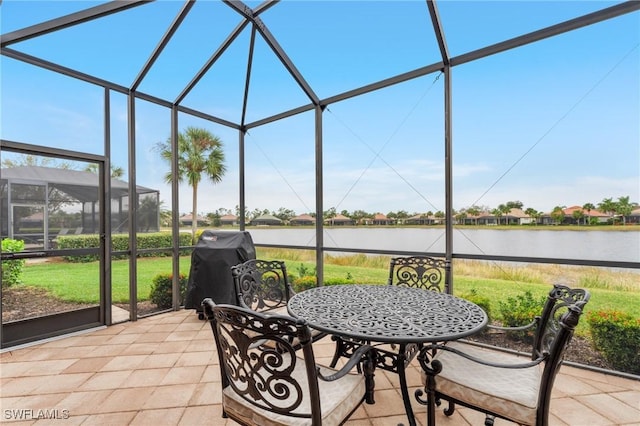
x=350, y=42
x=198, y=37
x=272, y=88
x=39, y=11
x=471, y=25
x=112, y=47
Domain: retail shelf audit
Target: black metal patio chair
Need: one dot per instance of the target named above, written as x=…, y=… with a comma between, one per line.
x=424, y=272
x=501, y=384
x=266, y=382
x=263, y=286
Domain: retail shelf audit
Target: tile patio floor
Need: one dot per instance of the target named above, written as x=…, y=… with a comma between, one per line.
x=162, y=370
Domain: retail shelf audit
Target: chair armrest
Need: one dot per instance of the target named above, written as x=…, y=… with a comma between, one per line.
x=480, y=360
x=362, y=352
x=532, y=324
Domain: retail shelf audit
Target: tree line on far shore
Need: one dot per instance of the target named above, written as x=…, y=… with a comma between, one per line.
x=614, y=211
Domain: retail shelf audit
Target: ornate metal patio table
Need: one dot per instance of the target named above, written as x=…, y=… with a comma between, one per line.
x=388, y=314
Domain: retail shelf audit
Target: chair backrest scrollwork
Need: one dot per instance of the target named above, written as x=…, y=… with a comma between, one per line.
x=260, y=364
x=559, y=300
x=262, y=285
x=424, y=272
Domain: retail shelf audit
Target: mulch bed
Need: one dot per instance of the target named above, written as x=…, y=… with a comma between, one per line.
x=580, y=349
x=26, y=302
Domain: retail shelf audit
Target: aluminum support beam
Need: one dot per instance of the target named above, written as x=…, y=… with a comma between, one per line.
x=49, y=151
x=280, y=116
x=248, y=13
x=554, y=30
x=247, y=80
x=420, y=72
x=32, y=60
x=242, y=206
x=439, y=31
x=400, y=78
x=175, y=211
x=223, y=47
x=14, y=54
x=280, y=53
x=207, y=117
x=69, y=20
x=163, y=43
x=319, y=197
x=133, y=208
x=448, y=175
x=105, y=214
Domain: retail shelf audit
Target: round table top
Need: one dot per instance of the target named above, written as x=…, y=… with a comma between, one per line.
x=384, y=313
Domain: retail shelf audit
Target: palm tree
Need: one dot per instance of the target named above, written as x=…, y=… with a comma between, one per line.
x=506, y=210
x=474, y=211
x=588, y=207
x=116, y=171
x=533, y=214
x=498, y=214
x=607, y=206
x=624, y=208
x=199, y=153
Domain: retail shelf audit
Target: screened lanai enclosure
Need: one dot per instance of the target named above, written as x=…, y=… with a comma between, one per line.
x=41, y=203
x=325, y=108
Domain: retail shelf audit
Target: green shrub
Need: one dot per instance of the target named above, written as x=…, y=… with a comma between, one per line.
x=482, y=301
x=310, y=281
x=161, y=290
x=520, y=310
x=617, y=336
x=304, y=283
x=12, y=269
x=305, y=271
x=339, y=281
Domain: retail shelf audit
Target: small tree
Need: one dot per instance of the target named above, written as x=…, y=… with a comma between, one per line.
x=199, y=153
x=588, y=207
x=558, y=215
x=577, y=215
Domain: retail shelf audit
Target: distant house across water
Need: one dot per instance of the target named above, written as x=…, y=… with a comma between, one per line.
x=303, y=219
x=266, y=220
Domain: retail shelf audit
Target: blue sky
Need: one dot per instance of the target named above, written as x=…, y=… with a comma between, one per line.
x=552, y=123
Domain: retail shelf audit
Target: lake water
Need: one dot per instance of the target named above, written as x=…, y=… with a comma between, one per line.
x=621, y=246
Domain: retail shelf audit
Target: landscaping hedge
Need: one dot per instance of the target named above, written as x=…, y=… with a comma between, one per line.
x=120, y=242
x=617, y=336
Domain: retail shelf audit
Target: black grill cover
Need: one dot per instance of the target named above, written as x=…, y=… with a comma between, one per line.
x=210, y=275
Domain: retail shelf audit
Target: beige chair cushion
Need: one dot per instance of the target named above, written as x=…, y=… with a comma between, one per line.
x=337, y=400
x=512, y=393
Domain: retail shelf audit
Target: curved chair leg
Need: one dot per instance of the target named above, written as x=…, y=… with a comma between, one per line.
x=450, y=409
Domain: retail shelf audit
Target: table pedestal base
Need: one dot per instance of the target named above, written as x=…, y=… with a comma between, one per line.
x=388, y=360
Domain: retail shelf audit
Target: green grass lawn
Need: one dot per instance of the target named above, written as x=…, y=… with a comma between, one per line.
x=78, y=282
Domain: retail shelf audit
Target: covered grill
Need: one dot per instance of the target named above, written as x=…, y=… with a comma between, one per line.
x=211, y=261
